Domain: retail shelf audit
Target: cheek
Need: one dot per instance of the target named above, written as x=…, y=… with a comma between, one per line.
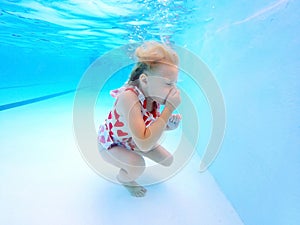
x=154, y=90
x=159, y=92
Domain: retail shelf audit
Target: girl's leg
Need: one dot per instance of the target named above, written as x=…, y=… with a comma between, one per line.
x=160, y=155
x=131, y=165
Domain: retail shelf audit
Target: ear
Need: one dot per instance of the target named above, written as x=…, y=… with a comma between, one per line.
x=143, y=78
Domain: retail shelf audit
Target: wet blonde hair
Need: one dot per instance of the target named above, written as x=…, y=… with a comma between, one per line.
x=149, y=56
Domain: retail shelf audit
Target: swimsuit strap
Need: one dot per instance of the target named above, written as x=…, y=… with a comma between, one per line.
x=115, y=93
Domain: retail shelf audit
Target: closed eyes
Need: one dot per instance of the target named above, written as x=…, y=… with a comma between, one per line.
x=170, y=84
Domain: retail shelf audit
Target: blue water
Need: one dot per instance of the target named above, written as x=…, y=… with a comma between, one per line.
x=252, y=48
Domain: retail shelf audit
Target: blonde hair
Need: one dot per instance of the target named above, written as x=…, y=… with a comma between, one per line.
x=150, y=55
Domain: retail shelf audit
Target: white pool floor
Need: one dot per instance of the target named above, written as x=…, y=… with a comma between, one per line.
x=44, y=180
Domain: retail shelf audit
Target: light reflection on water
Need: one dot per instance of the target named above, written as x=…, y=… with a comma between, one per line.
x=93, y=24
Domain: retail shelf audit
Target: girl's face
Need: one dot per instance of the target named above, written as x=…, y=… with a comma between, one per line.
x=160, y=82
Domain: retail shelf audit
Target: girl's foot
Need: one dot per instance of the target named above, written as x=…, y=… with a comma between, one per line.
x=134, y=188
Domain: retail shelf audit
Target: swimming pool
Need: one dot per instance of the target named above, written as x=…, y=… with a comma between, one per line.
x=251, y=48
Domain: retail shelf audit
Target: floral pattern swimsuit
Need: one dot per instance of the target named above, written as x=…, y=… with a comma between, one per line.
x=114, y=132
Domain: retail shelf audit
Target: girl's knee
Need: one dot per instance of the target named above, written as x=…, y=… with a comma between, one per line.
x=136, y=165
x=140, y=161
x=137, y=161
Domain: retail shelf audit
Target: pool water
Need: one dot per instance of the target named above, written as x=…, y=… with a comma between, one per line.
x=251, y=48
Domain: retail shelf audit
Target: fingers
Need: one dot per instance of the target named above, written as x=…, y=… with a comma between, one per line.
x=173, y=121
x=173, y=98
x=175, y=118
x=171, y=94
x=174, y=92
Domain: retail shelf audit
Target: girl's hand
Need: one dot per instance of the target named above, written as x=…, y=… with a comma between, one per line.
x=173, y=99
x=173, y=121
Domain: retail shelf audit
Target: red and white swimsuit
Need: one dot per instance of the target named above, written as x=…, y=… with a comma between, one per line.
x=114, y=132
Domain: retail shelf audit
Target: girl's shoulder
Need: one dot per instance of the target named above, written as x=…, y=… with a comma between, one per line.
x=127, y=98
x=117, y=92
x=127, y=95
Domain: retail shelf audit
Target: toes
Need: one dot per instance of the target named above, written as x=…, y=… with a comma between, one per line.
x=140, y=194
x=143, y=191
x=136, y=191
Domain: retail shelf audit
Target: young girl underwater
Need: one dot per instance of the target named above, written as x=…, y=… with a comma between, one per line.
x=134, y=125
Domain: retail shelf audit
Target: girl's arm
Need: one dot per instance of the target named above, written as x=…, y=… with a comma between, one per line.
x=145, y=138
